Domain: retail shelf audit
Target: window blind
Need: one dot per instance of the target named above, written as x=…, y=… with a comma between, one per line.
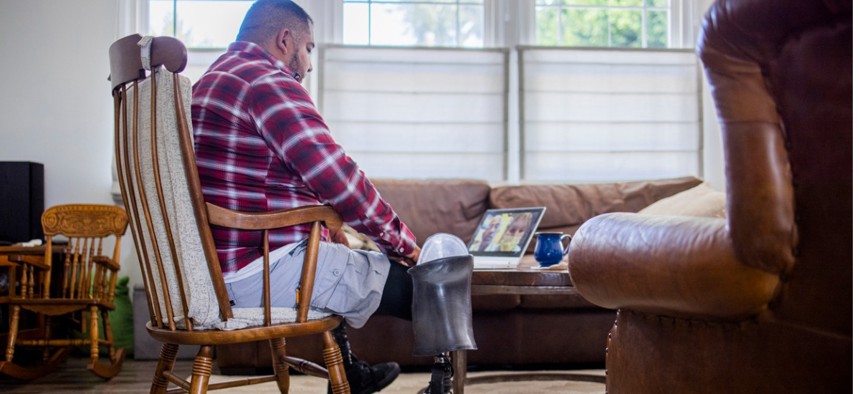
x=417, y=112
x=594, y=115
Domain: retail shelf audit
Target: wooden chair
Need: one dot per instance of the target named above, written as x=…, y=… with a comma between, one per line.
x=171, y=227
x=86, y=291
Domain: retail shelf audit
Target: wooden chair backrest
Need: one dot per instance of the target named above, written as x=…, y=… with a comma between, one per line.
x=160, y=186
x=87, y=273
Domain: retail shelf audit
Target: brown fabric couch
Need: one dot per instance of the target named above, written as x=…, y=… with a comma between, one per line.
x=509, y=330
x=760, y=302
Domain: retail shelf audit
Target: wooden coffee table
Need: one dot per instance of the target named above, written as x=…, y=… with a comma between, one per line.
x=526, y=279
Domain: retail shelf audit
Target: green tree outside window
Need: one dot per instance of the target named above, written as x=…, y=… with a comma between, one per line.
x=602, y=23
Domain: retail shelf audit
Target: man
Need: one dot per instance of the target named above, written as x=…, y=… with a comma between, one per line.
x=261, y=145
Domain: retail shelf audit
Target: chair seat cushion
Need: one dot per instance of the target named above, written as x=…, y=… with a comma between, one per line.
x=250, y=317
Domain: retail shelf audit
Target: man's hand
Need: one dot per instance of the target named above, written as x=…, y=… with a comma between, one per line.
x=339, y=237
x=412, y=258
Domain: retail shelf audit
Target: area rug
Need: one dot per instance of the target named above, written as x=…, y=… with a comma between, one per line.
x=412, y=383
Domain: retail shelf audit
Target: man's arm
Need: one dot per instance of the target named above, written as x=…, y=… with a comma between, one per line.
x=288, y=121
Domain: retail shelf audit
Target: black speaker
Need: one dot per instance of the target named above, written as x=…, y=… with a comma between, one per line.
x=22, y=201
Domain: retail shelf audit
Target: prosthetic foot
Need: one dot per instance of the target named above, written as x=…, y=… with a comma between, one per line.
x=441, y=376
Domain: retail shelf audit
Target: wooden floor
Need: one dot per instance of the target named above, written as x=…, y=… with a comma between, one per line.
x=136, y=377
x=73, y=377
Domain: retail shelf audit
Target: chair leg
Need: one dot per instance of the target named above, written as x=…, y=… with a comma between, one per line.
x=282, y=369
x=201, y=370
x=334, y=363
x=13, y=332
x=8, y=367
x=306, y=367
x=165, y=363
x=94, y=333
x=46, y=351
x=103, y=369
x=108, y=334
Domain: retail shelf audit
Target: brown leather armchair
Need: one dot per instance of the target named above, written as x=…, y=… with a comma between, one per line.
x=759, y=302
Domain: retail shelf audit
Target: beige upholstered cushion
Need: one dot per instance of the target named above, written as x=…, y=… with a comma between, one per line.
x=249, y=317
x=701, y=201
x=202, y=305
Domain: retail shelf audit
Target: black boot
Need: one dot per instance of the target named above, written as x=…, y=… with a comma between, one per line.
x=363, y=378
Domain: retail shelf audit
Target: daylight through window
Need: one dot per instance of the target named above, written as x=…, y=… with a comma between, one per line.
x=432, y=23
x=199, y=24
x=602, y=23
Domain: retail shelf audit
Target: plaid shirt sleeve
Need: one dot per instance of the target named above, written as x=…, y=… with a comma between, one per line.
x=290, y=124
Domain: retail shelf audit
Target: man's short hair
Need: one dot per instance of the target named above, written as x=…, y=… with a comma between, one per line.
x=268, y=17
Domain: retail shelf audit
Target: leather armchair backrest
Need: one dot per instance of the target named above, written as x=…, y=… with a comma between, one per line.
x=781, y=73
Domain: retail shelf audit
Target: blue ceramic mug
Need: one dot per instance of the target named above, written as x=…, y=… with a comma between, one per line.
x=550, y=248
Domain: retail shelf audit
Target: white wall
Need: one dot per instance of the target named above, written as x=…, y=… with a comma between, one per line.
x=55, y=101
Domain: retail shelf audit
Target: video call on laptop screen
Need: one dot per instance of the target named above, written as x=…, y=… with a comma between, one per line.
x=505, y=232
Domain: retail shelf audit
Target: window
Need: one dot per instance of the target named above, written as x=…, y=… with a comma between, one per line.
x=418, y=113
x=199, y=24
x=203, y=24
x=531, y=90
x=604, y=114
x=602, y=23
x=436, y=23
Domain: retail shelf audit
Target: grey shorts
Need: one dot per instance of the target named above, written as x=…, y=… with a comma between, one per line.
x=348, y=282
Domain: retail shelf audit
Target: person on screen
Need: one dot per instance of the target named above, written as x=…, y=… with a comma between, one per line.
x=515, y=232
x=491, y=228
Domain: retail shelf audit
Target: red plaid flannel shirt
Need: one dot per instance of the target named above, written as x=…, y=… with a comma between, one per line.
x=261, y=145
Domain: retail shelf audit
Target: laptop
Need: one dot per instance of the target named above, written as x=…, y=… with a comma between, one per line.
x=502, y=236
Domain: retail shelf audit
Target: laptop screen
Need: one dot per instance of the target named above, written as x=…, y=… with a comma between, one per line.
x=505, y=232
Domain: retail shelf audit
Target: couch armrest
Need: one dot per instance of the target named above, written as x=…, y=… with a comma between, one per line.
x=668, y=265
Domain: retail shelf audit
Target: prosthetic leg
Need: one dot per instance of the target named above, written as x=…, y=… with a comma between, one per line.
x=442, y=314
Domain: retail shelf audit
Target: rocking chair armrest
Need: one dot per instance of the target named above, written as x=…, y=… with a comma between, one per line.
x=220, y=216
x=107, y=262
x=317, y=214
x=32, y=260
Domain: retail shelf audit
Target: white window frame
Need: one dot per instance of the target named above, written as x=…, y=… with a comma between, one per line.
x=507, y=24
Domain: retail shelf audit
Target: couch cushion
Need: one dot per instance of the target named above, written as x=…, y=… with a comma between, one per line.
x=570, y=205
x=701, y=200
x=431, y=206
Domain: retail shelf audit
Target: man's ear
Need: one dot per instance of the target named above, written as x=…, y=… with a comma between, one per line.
x=285, y=42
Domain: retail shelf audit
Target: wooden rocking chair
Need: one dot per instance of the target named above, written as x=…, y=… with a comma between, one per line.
x=171, y=227
x=86, y=292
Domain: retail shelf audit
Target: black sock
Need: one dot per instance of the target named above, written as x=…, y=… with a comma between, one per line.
x=397, y=294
